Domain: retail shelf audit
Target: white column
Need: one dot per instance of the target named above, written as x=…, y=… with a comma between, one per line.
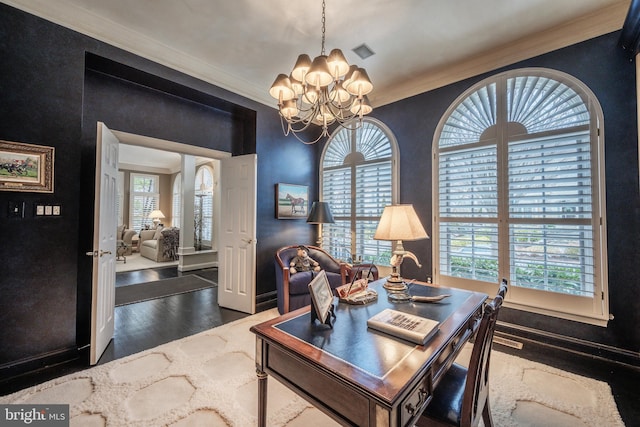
x=188, y=195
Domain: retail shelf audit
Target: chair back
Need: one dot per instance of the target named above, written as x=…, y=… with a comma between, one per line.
x=476, y=390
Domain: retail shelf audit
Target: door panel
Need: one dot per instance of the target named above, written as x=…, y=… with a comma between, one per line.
x=104, y=243
x=237, y=250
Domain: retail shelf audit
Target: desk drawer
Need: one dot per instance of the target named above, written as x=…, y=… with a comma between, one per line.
x=417, y=400
x=318, y=388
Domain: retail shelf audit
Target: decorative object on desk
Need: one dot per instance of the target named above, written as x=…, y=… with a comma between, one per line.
x=303, y=262
x=322, y=92
x=407, y=326
x=291, y=201
x=406, y=297
x=398, y=223
x=357, y=292
x=26, y=167
x=321, y=299
x=156, y=215
x=320, y=214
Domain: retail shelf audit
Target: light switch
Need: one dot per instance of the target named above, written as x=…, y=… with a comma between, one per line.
x=16, y=209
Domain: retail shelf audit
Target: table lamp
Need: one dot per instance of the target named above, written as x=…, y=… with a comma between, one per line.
x=156, y=215
x=398, y=223
x=320, y=214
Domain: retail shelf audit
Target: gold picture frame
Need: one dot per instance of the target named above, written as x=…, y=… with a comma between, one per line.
x=26, y=167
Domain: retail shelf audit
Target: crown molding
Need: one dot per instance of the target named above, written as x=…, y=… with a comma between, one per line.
x=594, y=24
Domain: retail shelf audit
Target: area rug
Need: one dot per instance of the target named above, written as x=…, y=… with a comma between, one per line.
x=160, y=289
x=135, y=261
x=209, y=379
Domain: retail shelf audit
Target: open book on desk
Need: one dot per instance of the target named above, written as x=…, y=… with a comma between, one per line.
x=403, y=325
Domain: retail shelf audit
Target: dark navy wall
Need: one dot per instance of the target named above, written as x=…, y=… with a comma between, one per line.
x=605, y=69
x=54, y=85
x=48, y=97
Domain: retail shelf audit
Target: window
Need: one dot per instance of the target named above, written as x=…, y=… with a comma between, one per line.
x=120, y=198
x=145, y=197
x=358, y=179
x=519, y=193
x=203, y=209
x=176, y=201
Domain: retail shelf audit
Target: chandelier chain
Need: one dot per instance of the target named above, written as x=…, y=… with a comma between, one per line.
x=323, y=26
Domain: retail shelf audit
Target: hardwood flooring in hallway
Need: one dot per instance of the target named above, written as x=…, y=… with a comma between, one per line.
x=146, y=324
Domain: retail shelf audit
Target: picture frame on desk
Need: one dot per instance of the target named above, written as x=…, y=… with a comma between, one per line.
x=321, y=298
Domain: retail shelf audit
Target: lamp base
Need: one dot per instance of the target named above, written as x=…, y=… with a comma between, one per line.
x=395, y=283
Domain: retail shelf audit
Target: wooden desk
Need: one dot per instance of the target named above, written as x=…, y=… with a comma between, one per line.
x=358, y=376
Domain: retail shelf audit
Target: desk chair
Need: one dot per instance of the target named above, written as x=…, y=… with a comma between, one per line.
x=462, y=396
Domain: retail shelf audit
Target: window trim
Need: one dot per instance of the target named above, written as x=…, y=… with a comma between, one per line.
x=133, y=194
x=395, y=171
x=591, y=310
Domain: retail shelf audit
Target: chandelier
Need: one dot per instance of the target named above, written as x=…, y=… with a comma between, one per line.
x=321, y=92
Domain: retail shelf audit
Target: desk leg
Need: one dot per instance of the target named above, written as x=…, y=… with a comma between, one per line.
x=262, y=398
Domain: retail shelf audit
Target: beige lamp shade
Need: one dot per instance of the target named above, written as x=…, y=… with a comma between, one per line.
x=281, y=89
x=156, y=214
x=319, y=74
x=400, y=222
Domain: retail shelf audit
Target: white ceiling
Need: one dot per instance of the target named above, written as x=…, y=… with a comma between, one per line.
x=241, y=45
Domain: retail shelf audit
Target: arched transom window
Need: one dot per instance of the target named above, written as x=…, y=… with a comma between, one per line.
x=358, y=178
x=519, y=193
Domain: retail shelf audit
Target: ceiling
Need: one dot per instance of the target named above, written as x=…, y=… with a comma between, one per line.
x=241, y=45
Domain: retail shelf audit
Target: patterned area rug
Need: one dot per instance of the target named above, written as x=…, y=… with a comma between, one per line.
x=160, y=289
x=209, y=379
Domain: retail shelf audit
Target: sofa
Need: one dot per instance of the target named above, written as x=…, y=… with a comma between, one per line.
x=159, y=245
x=125, y=235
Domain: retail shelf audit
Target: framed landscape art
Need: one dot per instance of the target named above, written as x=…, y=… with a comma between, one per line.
x=26, y=167
x=292, y=201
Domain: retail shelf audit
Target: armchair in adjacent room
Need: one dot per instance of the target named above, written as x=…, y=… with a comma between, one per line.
x=293, y=290
x=160, y=245
x=126, y=236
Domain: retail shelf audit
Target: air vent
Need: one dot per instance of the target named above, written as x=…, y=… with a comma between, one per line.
x=363, y=51
x=507, y=342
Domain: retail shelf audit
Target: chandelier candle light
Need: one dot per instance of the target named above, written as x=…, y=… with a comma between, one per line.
x=321, y=92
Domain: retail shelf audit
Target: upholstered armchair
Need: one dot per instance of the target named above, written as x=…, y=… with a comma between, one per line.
x=160, y=245
x=126, y=236
x=293, y=289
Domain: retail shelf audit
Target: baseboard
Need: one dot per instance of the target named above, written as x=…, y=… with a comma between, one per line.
x=570, y=344
x=266, y=301
x=29, y=365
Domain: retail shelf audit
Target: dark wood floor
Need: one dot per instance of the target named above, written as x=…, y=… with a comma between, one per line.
x=147, y=324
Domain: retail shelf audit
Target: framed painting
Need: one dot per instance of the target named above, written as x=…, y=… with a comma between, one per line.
x=26, y=167
x=292, y=201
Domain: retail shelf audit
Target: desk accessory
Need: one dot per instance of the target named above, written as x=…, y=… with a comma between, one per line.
x=404, y=325
x=321, y=299
x=357, y=292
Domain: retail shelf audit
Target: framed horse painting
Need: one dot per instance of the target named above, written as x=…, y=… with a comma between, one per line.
x=292, y=201
x=26, y=167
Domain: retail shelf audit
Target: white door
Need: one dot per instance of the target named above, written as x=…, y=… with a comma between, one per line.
x=104, y=243
x=237, y=250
